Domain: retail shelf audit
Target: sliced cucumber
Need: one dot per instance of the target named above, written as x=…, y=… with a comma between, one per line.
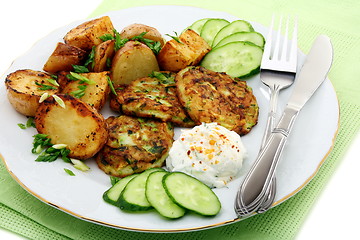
x=158, y=198
x=198, y=25
x=233, y=27
x=112, y=194
x=253, y=37
x=238, y=59
x=191, y=194
x=211, y=28
x=133, y=197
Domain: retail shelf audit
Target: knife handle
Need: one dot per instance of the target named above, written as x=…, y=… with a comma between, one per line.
x=263, y=170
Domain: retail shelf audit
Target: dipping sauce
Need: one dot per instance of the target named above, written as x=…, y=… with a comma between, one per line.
x=209, y=152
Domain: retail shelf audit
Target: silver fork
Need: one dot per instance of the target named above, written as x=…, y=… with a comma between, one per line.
x=277, y=86
x=278, y=69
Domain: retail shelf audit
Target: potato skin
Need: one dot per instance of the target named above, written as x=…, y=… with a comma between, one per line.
x=103, y=52
x=63, y=57
x=22, y=91
x=175, y=56
x=86, y=35
x=134, y=60
x=137, y=28
x=78, y=125
x=95, y=94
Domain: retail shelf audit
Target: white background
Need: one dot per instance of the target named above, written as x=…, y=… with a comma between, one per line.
x=24, y=22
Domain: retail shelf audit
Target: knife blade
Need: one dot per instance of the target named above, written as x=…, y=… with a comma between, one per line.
x=313, y=73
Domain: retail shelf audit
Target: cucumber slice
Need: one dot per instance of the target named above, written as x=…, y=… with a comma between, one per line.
x=158, y=198
x=233, y=27
x=254, y=37
x=198, y=25
x=112, y=194
x=191, y=194
x=133, y=197
x=238, y=59
x=211, y=28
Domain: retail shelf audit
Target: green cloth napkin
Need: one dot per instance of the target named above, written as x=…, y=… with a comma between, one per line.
x=24, y=214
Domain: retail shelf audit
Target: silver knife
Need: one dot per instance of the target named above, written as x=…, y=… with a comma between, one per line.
x=313, y=73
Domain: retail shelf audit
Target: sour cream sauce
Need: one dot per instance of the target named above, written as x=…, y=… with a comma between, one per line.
x=209, y=152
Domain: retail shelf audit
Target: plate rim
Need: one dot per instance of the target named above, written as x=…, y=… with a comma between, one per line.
x=204, y=227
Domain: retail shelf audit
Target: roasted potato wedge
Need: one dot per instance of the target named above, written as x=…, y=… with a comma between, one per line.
x=24, y=90
x=78, y=125
x=188, y=51
x=134, y=60
x=63, y=57
x=104, y=52
x=94, y=94
x=136, y=29
x=86, y=35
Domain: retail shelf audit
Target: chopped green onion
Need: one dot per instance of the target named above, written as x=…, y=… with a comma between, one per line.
x=111, y=85
x=80, y=69
x=68, y=171
x=59, y=101
x=44, y=96
x=59, y=146
x=53, y=82
x=79, y=165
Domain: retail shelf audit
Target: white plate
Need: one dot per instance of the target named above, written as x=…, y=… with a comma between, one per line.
x=310, y=142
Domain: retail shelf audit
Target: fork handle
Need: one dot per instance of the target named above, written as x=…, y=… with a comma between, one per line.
x=270, y=123
x=260, y=175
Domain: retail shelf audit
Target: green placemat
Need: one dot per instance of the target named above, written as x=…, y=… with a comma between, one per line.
x=24, y=214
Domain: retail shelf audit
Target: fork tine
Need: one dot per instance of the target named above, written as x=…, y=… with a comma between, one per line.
x=276, y=54
x=293, y=51
x=284, y=53
x=267, y=48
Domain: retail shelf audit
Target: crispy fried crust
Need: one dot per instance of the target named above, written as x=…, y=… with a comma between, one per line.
x=78, y=125
x=24, y=91
x=210, y=96
x=154, y=97
x=134, y=145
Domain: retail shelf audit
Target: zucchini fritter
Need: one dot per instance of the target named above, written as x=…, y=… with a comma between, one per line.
x=210, y=96
x=134, y=145
x=154, y=97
